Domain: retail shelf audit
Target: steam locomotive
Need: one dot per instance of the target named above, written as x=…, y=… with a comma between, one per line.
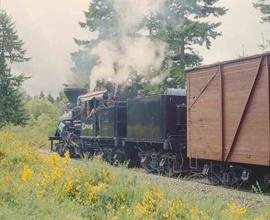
x=219, y=129
x=147, y=131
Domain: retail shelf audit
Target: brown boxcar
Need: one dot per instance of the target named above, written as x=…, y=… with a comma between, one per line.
x=228, y=111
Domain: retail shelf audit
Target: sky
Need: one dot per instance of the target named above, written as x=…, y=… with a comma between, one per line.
x=48, y=28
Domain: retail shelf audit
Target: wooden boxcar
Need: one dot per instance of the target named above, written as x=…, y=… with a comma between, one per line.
x=228, y=111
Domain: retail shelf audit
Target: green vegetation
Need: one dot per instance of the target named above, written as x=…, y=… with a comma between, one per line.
x=37, y=186
x=11, y=50
x=42, y=121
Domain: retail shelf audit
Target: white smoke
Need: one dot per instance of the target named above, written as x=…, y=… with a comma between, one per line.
x=131, y=12
x=134, y=52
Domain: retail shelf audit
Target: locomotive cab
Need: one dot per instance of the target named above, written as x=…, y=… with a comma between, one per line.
x=90, y=106
x=103, y=126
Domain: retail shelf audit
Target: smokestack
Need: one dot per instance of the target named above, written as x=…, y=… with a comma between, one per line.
x=73, y=93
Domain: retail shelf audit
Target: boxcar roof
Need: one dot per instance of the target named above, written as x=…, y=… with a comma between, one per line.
x=227, y=62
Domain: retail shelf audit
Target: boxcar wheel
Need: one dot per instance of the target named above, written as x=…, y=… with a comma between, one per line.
x=261, y=182
x=214, y=174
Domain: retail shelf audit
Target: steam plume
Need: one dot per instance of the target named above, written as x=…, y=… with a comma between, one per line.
x=134, y=52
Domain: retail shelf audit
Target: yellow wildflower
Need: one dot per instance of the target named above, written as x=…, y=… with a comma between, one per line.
x=57, y=172
x=150, y=204
x=54, y=159
x=153, y=198
x=100, y=187
x=91, y=195
x=2, y=152
x=171, y=213
x=67, y=156
x=7, y=135
x=122, y=197
x=27, y=173
x=68, y=187
x=237, y=211
x=119, y=198
x=195, y=213
x=105, y=175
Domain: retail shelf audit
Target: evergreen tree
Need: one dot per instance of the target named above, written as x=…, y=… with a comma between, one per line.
x=41, y=95
x=264, y=7
x=50, y=98
x=61, y=96
x=11, y=50
x=11, y=98
x=100, y=17
x=182, y=27
x=11, y=47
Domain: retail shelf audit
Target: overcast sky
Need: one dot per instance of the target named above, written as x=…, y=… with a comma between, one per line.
x=48, y=28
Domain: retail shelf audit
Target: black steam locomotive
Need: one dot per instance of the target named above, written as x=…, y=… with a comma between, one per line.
x=145, y=131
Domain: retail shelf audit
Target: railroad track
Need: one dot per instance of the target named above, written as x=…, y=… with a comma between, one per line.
x=195, y=178
x=199, y=178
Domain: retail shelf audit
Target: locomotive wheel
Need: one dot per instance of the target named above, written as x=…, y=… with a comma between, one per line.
x=146, y=164
x=235, y=179
x=169, y=167
x=119, y=158
x=61, y=149
x=72, y=152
